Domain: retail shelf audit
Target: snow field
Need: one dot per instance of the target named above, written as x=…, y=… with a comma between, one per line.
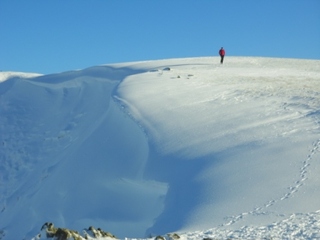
x=177, y=145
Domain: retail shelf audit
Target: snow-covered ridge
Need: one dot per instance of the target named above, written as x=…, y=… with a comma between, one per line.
x=178, y=145
x=7, y=75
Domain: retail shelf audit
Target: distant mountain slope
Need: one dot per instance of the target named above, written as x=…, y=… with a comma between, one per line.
x=154, y=147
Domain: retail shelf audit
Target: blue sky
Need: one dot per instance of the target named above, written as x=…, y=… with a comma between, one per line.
x=59, y=35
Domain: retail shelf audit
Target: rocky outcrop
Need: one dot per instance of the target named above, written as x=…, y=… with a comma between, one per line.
x=49, y=231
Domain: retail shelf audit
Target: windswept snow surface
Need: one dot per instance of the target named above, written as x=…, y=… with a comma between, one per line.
x=178, y=145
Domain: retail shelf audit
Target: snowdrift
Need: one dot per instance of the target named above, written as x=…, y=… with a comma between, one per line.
x=178, y=145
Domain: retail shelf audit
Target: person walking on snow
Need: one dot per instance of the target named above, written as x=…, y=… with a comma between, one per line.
x=222, y=52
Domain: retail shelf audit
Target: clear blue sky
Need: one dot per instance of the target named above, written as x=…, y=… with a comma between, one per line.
x=48, y=36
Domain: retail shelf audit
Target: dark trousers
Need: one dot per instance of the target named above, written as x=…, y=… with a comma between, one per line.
x=222, y=57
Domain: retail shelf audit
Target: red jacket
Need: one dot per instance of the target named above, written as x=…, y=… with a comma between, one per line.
x=222, y=52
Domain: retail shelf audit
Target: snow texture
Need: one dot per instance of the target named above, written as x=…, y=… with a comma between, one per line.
x=178, y=145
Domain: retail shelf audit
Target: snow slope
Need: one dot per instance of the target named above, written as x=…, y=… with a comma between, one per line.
x=147, y=148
